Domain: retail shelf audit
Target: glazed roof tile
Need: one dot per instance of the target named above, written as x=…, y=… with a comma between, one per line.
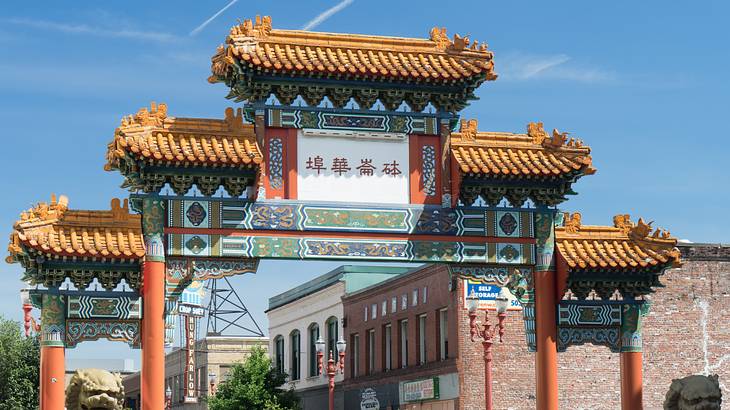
x=151, y=135
x=535, y=154
x=626, y=246
x=56, y=231
x=436, y=59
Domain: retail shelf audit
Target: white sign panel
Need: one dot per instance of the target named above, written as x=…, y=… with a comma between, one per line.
x=487, y=294
x=341, y=169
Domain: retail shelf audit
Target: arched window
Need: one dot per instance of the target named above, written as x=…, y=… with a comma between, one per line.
x=294, y=369
x=279, y=353
x=313, y=336
x=332, y=337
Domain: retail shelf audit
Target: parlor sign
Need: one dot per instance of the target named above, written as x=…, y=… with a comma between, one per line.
x=347, y=169
x=369, y=400
x=426, y=389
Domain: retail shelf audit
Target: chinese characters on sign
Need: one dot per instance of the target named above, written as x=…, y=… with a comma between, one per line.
x=352, y=170
x=341, y=166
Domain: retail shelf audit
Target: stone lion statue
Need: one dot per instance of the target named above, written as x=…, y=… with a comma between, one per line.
x=694, y=393
x=95, y=389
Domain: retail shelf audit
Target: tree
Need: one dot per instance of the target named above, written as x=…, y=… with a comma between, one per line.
x=19, y=364
x=254, y=384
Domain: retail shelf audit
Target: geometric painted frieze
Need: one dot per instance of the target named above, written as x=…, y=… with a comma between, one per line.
x=573, y=336
x=302, y=118
x=185, y=274
x=575, y=314
x=250, y=246
x=615, y=324
x=104, y=307
x=297, y=216
x=81, y=330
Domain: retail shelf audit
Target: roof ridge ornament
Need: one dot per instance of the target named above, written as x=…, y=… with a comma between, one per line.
x=234, y=119
x=458, y=43
x=43, y=211
x=260, y=29
x=468, y=129
x=536, y=131
x=154, y=117
x=572, y=222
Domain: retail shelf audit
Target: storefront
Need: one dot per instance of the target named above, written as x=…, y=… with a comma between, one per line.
x=433, y=393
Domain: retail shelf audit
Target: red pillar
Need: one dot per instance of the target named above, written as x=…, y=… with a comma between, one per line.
x=153, y=336
x=53, y=372
x=546, y=361
x=631, y=381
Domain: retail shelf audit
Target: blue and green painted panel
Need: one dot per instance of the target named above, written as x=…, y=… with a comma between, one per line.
x=303, y=118
x=104, y=307
x=297, y=216
x=615, y=324
x=240, y=246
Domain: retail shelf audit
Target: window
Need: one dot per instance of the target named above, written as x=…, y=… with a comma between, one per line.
x=294, y=368
x=373, y=311
x=404, y=302
x=279, y=353
x=388, y=348
x=313, y=336
x=443, y=334
x=425, y=294
x=332, y=337
x=371, y=351
x=384, y=308
x=403, y=336
x=421, y=339
x=393, y=304
x=355, y=357
x=366, y=313
x=414, y=297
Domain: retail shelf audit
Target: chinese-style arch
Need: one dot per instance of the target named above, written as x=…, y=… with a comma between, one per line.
x=340, y=181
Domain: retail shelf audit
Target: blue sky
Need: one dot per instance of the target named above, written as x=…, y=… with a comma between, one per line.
x=643, y=83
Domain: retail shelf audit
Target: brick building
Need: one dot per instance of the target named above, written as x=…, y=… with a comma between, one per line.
x=402, y=338
x=313, y=310
x=215, y=356
x=685, y=333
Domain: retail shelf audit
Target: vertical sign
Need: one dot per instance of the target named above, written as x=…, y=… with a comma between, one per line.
x=191, y=395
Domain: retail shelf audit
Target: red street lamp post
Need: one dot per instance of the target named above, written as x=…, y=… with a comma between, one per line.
x=487, y=335
x=332, y=367
x=168, y=398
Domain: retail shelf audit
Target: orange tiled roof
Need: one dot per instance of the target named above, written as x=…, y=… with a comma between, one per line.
x=151, y=135
x=535, y=154
x=436, y=59
x=54, y=230
x=624, y=246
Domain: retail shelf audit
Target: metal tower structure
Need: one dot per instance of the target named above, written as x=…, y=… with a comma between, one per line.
x=226, y=310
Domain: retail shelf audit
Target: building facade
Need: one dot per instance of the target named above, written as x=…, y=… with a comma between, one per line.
x=388, y=370
x=313, y=310
x=215, y=356
x=403, y=343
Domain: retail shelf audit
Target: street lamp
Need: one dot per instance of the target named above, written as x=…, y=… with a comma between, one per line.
x=487, y=335
x=319, y=344
x=212, y=381
x=332, y=367
x=27, y=308
x=168, y=398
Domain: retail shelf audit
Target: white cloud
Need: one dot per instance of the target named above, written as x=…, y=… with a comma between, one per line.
x=93, y=31
x=197, y=30
x=528, y=67
x=326, y=14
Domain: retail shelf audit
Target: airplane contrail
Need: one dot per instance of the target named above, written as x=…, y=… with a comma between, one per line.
x=326, y=14
x=206, y=22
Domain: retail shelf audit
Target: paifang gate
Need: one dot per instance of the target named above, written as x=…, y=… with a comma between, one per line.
x=344, y=147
